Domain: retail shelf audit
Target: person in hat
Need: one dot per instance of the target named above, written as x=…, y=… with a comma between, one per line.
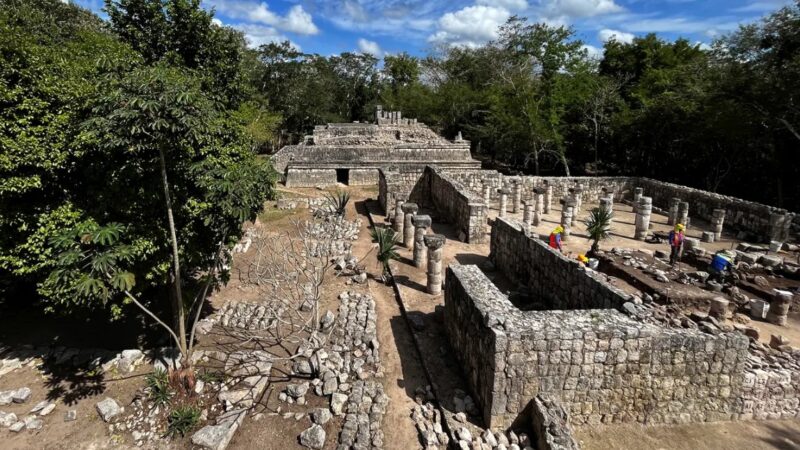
x=721, y=265
x=676, y=238
x=555, y=238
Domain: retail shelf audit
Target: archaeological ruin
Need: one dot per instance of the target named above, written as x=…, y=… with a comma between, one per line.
x=570, y=336
x=353, y=153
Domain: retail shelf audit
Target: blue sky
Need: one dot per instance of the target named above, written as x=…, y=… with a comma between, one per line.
x=416, y=26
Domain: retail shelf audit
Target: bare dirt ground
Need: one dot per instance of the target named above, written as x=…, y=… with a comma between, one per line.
x=402, y=369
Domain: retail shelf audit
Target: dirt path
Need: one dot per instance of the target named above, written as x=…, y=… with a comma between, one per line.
x=402, y=368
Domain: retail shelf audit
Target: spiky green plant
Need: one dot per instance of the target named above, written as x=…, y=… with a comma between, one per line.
x=182, y=420
x=337, y=202
x=598, y=225
x=158, y=384
x=386, y=238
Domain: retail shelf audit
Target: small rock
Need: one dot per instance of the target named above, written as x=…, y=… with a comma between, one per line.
x=17, y=427
x=777, y=340
x=464, y=434
x=40, y=406
x=211, y=436
x=337, y=403
x=21, y=395
x=47, y=409
x=108, y=409
x=321, y=416
x=302, y=367
x=7, y=419
x=33, y=423
x=460, y=417
x=70, y=415
x=313, y=437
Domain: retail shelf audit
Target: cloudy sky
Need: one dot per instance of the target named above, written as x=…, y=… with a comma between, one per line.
x=380, y=26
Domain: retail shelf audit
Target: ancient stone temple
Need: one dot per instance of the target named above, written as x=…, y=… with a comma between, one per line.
x=352, y=153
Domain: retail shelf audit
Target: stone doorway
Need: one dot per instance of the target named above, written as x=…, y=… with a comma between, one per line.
x=343, y=176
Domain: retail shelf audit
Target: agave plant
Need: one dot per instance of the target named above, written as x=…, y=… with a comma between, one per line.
x=598, y=225
x=337, y=203
x=386, y=239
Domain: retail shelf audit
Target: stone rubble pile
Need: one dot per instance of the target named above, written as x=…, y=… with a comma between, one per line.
x=247, y=316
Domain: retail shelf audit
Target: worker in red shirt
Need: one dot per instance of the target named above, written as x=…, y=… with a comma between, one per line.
x=676, y=238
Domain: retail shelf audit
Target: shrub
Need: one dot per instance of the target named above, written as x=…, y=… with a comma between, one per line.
x=182, y=420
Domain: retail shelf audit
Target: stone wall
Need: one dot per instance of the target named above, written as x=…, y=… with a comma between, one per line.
x=551, y=278
x=457, y=205
x=602, y=365
x=394, y=184
x=310, y=177
x=363, y=177
x=739, y=214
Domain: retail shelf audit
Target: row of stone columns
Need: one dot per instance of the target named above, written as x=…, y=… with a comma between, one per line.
x=413, y=228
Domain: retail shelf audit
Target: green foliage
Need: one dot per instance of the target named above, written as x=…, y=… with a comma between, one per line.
x=387, y=247
x=211, y=376
x=598, y=226
x=337, y=202
x=182, y=420
x=158, y=385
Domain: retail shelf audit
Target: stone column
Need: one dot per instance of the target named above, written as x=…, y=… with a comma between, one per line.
x=409, y=210
x=503, y=202
x=777, y=220
x=567, y=210
x=672, y=213
x=421, y=224
x=487, y=196
x=637, y=194
x=717, y=220
x=538, y=196
x=548, y=197
x=399, y=220
x=607, y=203
x=683, y=214
x=779, y=307
x=643, y=211
x=517, y=189
x=577, y=194
x=434, y=242
x=608, y=192
x=719, y=308
x=528, y=211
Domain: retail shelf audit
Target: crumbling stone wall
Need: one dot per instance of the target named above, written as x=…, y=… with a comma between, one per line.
x=602, y=365
x=739, y=214
x=550, y=277
x=458, y=205
x=405, y=184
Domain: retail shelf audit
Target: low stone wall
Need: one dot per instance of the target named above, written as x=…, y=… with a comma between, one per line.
x=310, y=177
x=363, y=177
x=552, y=279
x=739, y=214
x=457, y=205
x=602, y=365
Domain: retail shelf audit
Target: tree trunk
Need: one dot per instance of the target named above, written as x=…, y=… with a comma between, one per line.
x=179, y=311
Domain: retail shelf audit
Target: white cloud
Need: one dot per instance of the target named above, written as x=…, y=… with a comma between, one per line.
x=580, y=8
x=470, y=27
x=297, y=20
x=703, y=46
x=511, y=5
x=369, y=47
x=257, y=35
x=593, y=52
x=216, y=22
x=607, y=34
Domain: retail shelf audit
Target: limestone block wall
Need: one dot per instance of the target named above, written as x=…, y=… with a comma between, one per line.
x=552, y=279
x=602, y=365
x=363, y=177
x=739, y=214
x=404, y=183
x=458, y=205
x=310, y=177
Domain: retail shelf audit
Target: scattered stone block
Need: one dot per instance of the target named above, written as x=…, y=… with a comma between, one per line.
x=313, y=437
x=21, y=395
x=108, y=409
